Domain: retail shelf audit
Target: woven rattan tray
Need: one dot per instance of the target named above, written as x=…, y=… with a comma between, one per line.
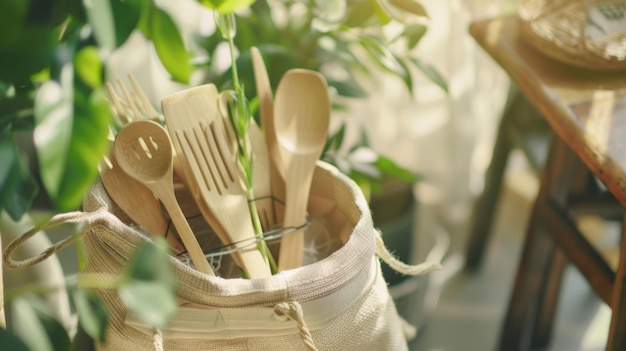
x=584, y=33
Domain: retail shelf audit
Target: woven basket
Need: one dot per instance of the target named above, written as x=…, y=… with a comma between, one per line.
x=584, y=33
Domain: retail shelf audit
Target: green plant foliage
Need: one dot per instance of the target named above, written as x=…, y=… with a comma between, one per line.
x=148, y=285
x=70, y=137
x=89, y=67
x=169, y=45
x=11, y=19
x=431, y=73
x=113, y=20
x=11, y=342
x=225, y=6
x=18, y=187
x=92, y=314
x=37, y=328
x=386, y=59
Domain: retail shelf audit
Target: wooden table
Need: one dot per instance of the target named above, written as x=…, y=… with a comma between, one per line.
x=586, y=111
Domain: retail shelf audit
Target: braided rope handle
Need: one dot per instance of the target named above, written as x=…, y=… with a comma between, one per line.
x=70, y=217
x=399, y=266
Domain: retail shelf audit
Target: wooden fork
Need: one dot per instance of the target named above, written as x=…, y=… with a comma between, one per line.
x=131, y=106
x=211, y=164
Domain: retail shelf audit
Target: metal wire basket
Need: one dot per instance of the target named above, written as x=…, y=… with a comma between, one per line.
x=584, y=33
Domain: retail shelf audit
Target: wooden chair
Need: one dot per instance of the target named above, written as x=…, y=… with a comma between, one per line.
x=521, y=127
x=585, y=172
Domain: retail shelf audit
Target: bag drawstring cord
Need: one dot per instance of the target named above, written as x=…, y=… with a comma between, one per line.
x=293, y=311
x=157, y=339
x=401, y=267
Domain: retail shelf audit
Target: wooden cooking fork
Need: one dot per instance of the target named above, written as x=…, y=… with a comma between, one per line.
x=195, y=125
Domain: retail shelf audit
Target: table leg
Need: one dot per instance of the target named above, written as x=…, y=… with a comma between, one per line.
x=617, y=330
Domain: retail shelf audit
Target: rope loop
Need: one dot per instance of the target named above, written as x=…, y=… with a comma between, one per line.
x=401, y=267
x=293, y=311
x=62, y=218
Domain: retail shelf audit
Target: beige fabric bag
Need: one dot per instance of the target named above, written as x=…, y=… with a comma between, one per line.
x=338, y=303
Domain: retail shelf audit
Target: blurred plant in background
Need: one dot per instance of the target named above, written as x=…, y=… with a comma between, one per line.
x=55, y=118
x=52, y=56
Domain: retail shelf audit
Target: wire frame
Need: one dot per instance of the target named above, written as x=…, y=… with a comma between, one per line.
x=584, y=33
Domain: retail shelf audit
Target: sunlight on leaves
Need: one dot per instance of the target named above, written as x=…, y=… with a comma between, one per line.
x=100, y=16
x=224, y=7
x=52, y=134
x=89, y=67
x=170, y=46
x=70, y=137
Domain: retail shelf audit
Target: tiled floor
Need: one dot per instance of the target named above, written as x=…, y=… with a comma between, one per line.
x=471, y=307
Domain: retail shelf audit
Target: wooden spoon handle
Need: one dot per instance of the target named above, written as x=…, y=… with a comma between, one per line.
x=184, y=230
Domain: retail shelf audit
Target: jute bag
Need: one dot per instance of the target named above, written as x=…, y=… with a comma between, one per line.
x=338, y=303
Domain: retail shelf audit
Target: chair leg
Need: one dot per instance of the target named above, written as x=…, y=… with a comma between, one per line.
x=532, y=305
x=517, y=111
x=617, y=335
x=581, y=183
x=536, y=255
x=486, y=204
x=546, y=311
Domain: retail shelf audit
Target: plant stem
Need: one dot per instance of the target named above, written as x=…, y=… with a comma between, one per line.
x=245, y=156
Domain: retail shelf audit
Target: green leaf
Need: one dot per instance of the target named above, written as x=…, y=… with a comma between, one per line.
x=151, y=263
x=29, y=328
x=169, y=45
x=113, y=20
x=100, y=15
x=410, y=6
x=338, y=137
x=11, y=342
x=381, y=13
x=71, y=139
x=153, y=303
x=328, y=14
x=92, y=314
x=149, y=290
x=18, y=187
x=57, y=334
x=390, y=168
x=386, y=59
x=414, y=33
x=363, y=159
x=358, y=13
x=11, y=19
x=432, y=73
x=225, y=6
x=89, y=66
x=348, y=88
x=53, y=130
x=88, y=145
x=126, y=14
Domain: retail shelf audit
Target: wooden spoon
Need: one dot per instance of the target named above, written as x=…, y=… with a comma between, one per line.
x=301, y=118
x=137, y=201
x=144, y=151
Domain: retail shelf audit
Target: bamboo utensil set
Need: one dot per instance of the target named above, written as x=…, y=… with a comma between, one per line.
x=197, y=139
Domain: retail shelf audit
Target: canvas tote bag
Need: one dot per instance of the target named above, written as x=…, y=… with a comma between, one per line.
x=338, y=303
